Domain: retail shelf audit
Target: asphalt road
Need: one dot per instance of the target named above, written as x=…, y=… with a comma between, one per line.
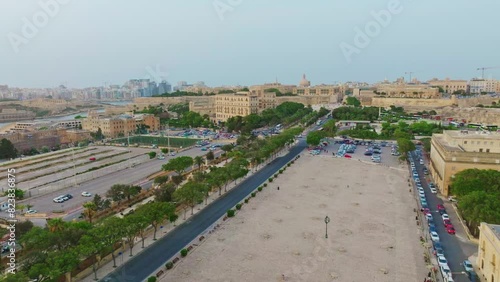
x=135, y=175
x=456, y=247
x=145, y=263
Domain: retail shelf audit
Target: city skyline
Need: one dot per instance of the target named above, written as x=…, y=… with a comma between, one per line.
x=241, y=42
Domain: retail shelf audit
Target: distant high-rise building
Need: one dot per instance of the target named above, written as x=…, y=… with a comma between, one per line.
x=164, y=87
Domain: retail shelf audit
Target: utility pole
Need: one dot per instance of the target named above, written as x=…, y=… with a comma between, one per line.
x=74, y=166
x=168, y=138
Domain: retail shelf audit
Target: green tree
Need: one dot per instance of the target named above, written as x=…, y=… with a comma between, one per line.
x=405, y=146
x=198, y=160
x=7, y=149
x=471, y=180
x=113, y=227
x=330, y=128
x=210, y=156
x=164, y=192
x=190, y=194
x=152, y=155
x=353, y=101
x=480, y=206
x=155, y=213
x=90, y=209
x=314, y=137
x=179, y=164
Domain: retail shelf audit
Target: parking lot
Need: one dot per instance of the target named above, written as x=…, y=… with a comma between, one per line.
x=359, y=153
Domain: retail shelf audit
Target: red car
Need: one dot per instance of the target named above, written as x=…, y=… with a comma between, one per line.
x=450, y=230
x=347, y=156
x=447, y=223
x=441, y=207
x=426, y=211
x=92, y=159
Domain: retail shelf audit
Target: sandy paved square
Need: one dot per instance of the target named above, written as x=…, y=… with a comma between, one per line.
x=372, y=233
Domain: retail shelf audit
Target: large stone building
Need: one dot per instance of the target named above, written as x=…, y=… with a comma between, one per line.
x=454, y=151
x=488, y=256
x=239, y=104
x=450, y=86
x=479, y=85
x=50, y=138
x=15, y=115
x=408, y=90
x=121, y=125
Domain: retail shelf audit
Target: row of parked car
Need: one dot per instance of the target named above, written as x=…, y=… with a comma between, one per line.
x=438, y=249
x=64, y=198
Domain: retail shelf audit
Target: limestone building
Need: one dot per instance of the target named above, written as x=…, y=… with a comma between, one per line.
x=488, y=256
x=454, y=151
x=15, y=115
x=410, y=90
x=239, y=104
x=121, y=125
x=450, y=86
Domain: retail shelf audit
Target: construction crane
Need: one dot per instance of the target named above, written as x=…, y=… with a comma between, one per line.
x=486, y=68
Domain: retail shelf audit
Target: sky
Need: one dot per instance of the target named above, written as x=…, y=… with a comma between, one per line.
x=83, y=43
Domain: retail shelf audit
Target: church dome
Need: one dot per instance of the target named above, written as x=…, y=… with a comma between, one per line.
x=304, y=82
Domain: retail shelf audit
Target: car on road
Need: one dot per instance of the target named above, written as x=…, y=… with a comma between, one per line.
x=441, y=212
x=445, y=217
x=434, y=236
x=347, y=156
x=467, y=265
x=450, y=230
x=472, y=276
x=421, y=161
x=86, y=194
x=59, y=199
x=433, y=190
x=442, y=261
x=447, y=223
x=440, y=207
x=417, y=180
x=92, y=159
x=437, y=247
x=426, y=211
x=31, y=211
x=421, y=193
x=446, y=272
x=429, y=217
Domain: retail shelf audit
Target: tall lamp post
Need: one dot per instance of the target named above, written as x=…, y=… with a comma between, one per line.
x=327, y=220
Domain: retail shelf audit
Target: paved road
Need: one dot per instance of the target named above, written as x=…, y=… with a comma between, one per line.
x=145, y=263
x=136, y=175
x=456, y=247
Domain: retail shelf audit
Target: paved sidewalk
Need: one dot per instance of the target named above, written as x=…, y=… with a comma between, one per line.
x=123, y=254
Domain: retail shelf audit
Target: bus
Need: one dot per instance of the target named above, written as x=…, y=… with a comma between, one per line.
x=474, y=125
x=490, y=127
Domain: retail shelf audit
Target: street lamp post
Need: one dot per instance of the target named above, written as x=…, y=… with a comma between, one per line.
x=327, y=220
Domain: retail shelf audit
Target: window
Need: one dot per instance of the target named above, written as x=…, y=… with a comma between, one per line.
x=465, y=142
x=487, y=150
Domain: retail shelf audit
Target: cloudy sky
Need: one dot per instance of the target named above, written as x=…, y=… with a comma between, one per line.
x=226, y=42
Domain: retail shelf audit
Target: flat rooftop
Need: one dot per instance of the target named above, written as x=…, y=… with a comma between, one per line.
x=470, y=134
x=496, y=230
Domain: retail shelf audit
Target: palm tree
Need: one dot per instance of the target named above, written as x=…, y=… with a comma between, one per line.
x=198, y=160
x=89, y=211
x=56, y=225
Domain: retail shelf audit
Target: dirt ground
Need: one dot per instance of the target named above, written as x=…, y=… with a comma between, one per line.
x=280, y=234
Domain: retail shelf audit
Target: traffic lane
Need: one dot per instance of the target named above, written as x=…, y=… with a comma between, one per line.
x=451, y=245
x=135, y=175
x=148, y=261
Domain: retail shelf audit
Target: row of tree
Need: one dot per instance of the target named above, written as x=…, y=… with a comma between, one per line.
x=478, y=193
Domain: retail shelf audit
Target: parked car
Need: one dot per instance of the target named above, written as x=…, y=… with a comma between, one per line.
x=86, y=194
x=92, y=159
x=440, y=207
x=442, y=261
x=446, y=272
x=31, y=211
x=473, y=277
x=447, y=223
x=467, y=265
x=434, y=236
x=433, y=190
x=429, y=216
x=450, y=230
x=445, y=216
